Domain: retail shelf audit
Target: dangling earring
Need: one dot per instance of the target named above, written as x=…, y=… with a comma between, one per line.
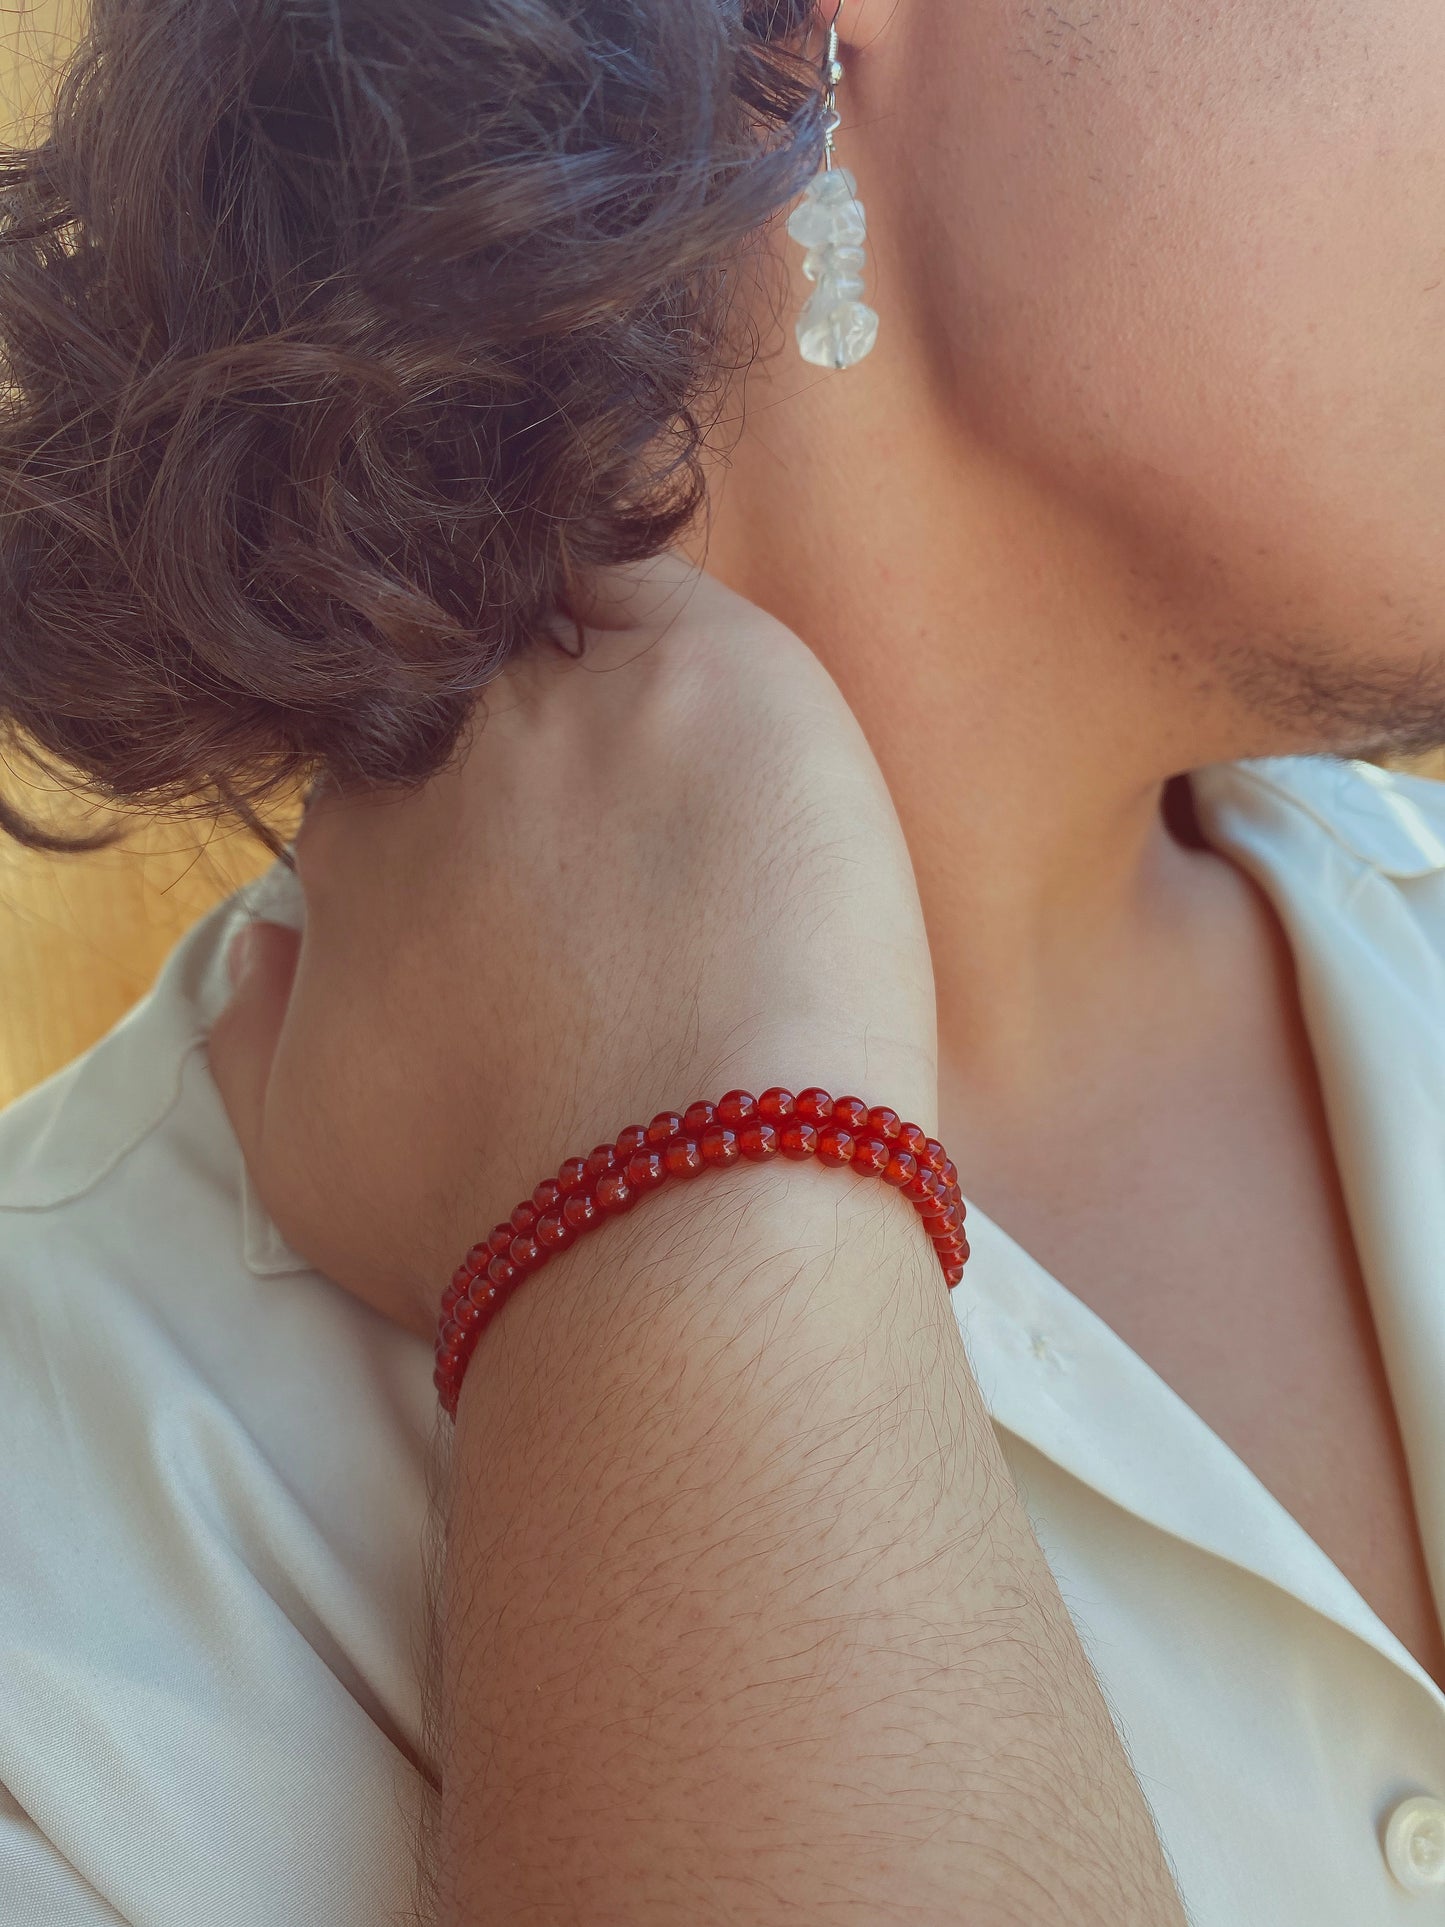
x=835, y=328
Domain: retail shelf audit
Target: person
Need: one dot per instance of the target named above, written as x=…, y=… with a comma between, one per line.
x=1001, y=743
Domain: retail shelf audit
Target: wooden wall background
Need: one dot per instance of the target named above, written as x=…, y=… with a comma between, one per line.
x=82, y=937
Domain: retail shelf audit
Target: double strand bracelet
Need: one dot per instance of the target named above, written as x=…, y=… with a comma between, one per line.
x=871, y=1141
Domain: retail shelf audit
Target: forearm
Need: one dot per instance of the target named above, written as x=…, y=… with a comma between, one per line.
x=740, y=1613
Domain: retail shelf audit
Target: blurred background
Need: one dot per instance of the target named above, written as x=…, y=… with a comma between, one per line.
x=82, y=937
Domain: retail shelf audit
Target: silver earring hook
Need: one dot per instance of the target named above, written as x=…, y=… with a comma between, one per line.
x=832, y=74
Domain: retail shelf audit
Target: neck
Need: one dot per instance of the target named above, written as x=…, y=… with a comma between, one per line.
x=1024, y=719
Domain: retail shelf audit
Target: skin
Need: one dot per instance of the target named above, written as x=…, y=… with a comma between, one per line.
x=737, y=1601
x=1146, y=471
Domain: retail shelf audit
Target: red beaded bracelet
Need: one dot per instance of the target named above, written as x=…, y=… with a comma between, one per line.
x=874, y=1142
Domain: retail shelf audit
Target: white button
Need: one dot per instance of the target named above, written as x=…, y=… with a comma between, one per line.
x=1415, y=1844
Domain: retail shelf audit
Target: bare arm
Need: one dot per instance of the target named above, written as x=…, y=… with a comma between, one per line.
x=740, y=1615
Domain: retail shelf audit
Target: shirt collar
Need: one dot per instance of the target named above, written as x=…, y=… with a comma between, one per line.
x=1390, y=819
x=1329, y=842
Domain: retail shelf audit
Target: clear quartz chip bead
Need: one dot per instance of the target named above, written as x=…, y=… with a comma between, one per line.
x=836, y=328
x=838, y=334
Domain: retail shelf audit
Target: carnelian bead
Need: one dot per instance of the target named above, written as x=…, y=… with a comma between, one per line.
x=552, y=1231
x=719, y=1146
x=875, y=1141
x=683, y=1157
x=901, y=1168
x=614, y=1194
x=580, y=1210
x=870, y=1156
x=646, y=1169
x=736, y=1107
x=599, y=1161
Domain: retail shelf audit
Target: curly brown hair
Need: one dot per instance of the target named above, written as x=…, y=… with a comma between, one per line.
x=340, y=340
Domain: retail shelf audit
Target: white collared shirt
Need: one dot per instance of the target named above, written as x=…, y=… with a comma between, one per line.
x=213, y=1484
